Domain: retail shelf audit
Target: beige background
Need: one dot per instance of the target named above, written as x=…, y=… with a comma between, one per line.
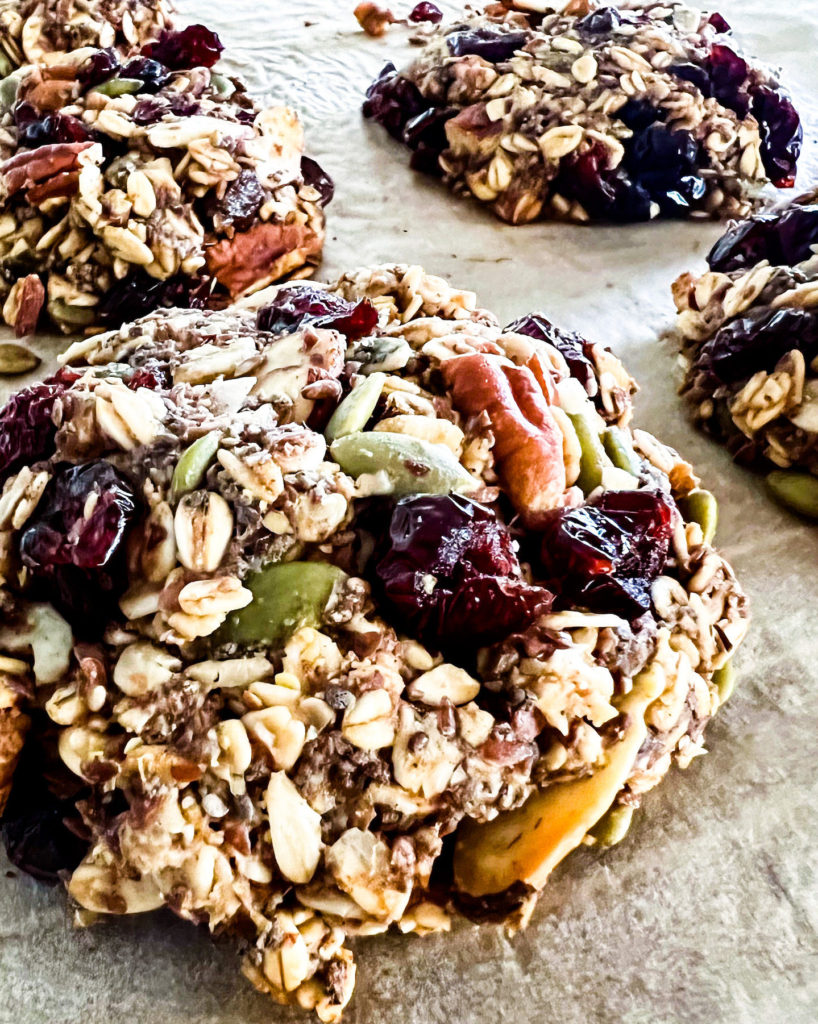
x=708, y=913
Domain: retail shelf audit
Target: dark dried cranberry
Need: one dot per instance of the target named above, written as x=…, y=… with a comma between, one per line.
x=601, y=22
x=640, y=114
x=149, y=111
x=603, y=191
x=99, y=67
x=450, y=572
x=694, y=73
x=606, y=554
x=784, y=238
x=306, y=304
x=392, y=100
x=756, y=342
x=490, y=44
x=239, y=205
x=426, y=11
x=150, y=73
x=664, y=164
x=781, y=134
x=26, y=429
x=74, y=543
x=34, y=129
x=576, y=351
x=729, y=76
x=138, y=294
x=191, y=47
x=316, y=177
x=426, y=135
x=719, y=23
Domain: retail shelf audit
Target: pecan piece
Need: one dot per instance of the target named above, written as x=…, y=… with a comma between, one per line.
x=13, y=727
x=251, y=259
x=23, y=306
x=31, y=167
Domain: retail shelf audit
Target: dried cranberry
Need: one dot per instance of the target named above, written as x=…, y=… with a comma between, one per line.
x=138, y=294
x=152, y=375
x=781, y=134
x=306, y=304
x=34, y=129
x=425, y=11
x=74, y=543
x=576, y=351
x=602, y=22
x=756, y=342
x=150, y=73
x=450, y=572
x=316, y=177
x=426, y=135
x=393, y=100
x=606, y=554
x=719, y=23
x=784, y=238
x=239, y=205
x=27, y=430
x=665, y=164
x=490, y=44
x=99, y=67
x=191, y=47
x=603, y=191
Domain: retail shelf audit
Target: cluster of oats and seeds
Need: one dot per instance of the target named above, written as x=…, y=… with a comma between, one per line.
x=618, y=113
x=32, y=31
x=245, y=558
x=129, y=183
x=749, y=333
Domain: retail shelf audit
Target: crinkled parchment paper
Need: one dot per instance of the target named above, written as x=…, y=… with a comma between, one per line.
x=708, y=912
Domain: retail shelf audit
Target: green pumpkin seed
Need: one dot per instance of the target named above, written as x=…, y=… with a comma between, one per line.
x=191, y=467
x=380, y=354
x=613, y=826
x=701, y=507
x=353, y=413
x=9, y=87
x=222, y=84
x=74, y=316
x=286, y=596
x=16, y=359
x=796, y=491
x=119, y=87
x=619, y=450
x=413, y=466
x=593, y=454
x=724, y=679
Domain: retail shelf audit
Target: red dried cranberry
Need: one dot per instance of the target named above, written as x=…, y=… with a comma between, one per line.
x=191, y=47
x=239, y=205
x=150, y=73
x=576, y=351
x=606, y=554
x=306, y=304
x=99, y=67
x=425, y=11
x=451, y=573
x=392, y=100
x=152, y=375
x=34, y=129
x=26, y=429
x=781, y=134
x=719, y=23
x=784, y=238
x=316, y=177
x=73, y=545
x=490, y=44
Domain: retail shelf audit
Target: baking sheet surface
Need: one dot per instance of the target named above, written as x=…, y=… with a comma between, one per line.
x=708, y=912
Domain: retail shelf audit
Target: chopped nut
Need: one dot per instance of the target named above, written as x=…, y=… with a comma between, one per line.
x=295, y=830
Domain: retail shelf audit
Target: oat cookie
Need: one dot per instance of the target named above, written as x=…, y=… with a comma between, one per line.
x=596, y=113
x=325, y=595
x=145, y=181
x=41, y=30
x=748, y=329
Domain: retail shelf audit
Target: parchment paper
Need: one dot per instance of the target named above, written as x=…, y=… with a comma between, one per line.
x=708, y=912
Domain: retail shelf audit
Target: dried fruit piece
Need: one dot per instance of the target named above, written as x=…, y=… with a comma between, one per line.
x=411, y=466
x=190, y=47
x=27, y=429
x=302, y=304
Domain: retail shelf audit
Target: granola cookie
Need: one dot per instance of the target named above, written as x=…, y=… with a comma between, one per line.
x=605, y=113
x=748, y=329
x=42, y=30
x=331, y=593
x=128, y=184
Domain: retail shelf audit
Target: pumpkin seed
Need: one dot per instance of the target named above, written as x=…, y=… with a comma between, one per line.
x=16, y=359
x=593, y=454
x=701, y=507
x=376, y=354
x=724, y=679
x=613, y=826
x=119, y=87
x=796, y=491
x=223, y=86
x=76, y=316
x=620, y=451
x=191, y=467
x=412, y=466
x=286, y=596
x=352, y=414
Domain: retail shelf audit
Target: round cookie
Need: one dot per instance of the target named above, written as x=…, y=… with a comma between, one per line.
x=356, y=611
x=597, y=113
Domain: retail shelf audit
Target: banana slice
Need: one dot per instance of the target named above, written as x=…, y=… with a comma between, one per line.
x=526, y=844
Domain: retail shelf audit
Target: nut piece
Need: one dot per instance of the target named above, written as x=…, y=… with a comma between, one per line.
x=20, y=497
x=203, y=525
x=216, y=596
x=373, y=20
x=446, y=682
x=143, y=668
x=295, y=830
x=368, y=723
x=275, y=727
x=13, y=727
